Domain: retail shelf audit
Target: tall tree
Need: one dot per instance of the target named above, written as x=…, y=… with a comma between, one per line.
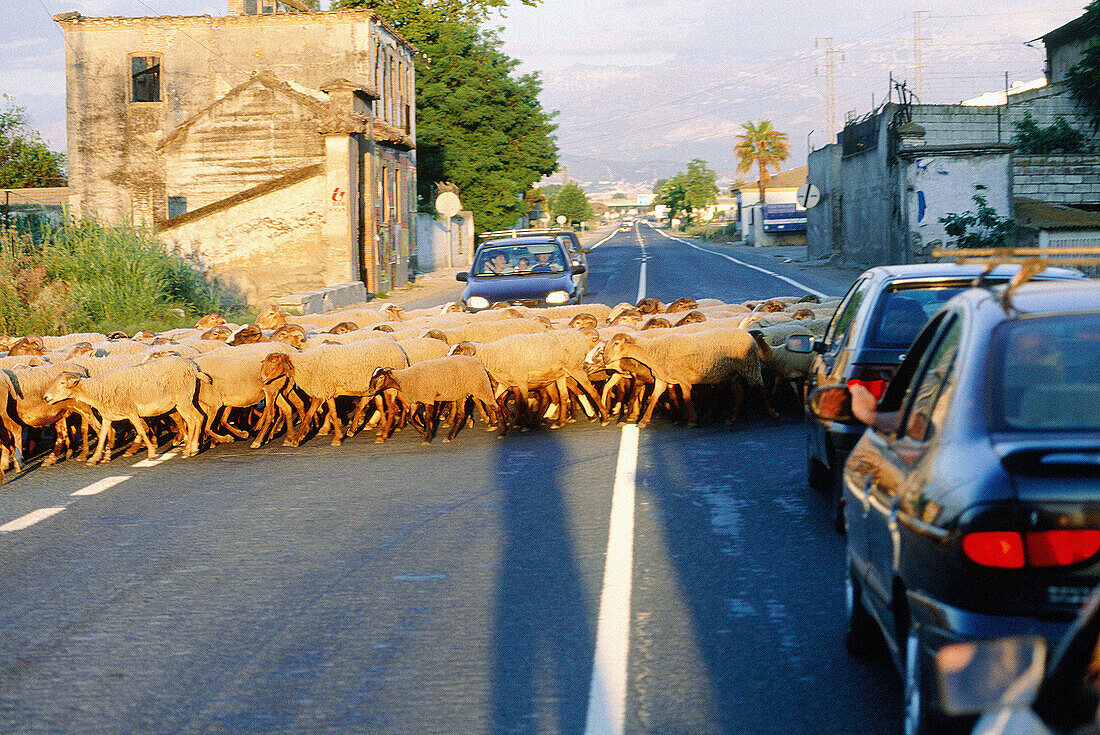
x=572, y=202
x=763, y=146
x=25, y=160
x=478, y=126
x=700, y=184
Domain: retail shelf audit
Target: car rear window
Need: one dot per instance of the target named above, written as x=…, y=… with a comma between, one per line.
x=902, y=311
x=1047, y=373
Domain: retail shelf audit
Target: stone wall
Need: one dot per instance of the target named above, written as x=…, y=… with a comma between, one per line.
x=823, y=222
x=1072, y=180
x=266, y=247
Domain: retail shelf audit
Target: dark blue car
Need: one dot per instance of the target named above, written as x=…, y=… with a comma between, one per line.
x=528, y=271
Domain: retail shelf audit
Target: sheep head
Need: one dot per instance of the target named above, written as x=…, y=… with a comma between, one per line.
x=81, y=349
x=684, y=303
x=343, y=328
x=290, y=334
x=617, y=346
x=270, y=317
x=594, y=360
x=393, y=311
x=381, y=379
x=648, y=306
x=144, y=335
x=208, y=321
x=435, y=334
x=584, y=320
x=275, y=366
x=543, y=320
x=769, y=307
x=591, y=333
x=692, y=317
x=61, y=388
x=630, y=317
x=463, y=348
x=802, y=314
x=382, y=328
x=247, y=335
x=220, y=333
x=618, y=309
x=117, y=334
x=499, y=305
x=29, y=345
x=657, y=322
x=809, y=299
x=453, y=307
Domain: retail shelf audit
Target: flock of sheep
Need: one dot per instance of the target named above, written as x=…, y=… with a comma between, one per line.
x=385, y=367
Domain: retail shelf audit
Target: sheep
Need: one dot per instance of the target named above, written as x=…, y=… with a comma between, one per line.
x=650, y=306
x=329, y=371
x=692, y=317
x=715, y=356
x=584, y=320
x=492, y=331
x=454, y=379
x=684, y=303
x=29, y=345
x=64, y=340
x=249, y=334
x=631, y=317
x=210, y=320
x=763, y=319
x=419, y=349
x=123, y=394
x=786, y=366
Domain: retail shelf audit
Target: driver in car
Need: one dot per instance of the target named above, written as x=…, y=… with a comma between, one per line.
x=543, y=263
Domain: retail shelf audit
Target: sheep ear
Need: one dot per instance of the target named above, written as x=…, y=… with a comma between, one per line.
x=377, y=371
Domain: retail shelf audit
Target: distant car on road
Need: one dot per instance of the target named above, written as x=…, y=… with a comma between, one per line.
x=531, y=271
x=972, y=506
x=626, y=227
x=869, y=335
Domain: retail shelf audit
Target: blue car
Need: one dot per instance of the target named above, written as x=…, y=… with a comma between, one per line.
x=527, y=271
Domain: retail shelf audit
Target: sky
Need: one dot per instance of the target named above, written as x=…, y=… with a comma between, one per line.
x=643, y=86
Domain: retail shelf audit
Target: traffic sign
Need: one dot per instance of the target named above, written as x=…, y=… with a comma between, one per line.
x=448, y=204
x=808, y=196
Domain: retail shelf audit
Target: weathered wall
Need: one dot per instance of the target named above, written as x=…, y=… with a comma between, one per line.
x=437, y=248
x=266, y=247
x=1072, y=180
x=870, y=206
x=823, y=222
x=941, y=184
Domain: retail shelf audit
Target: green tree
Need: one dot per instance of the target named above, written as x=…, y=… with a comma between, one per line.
x=25, y=161
x=700, y=184
x=1057, y=138
x=1084, y=77
x=673, y=194
x=572, y=202
x=981, y=229
x=478, y=126
x=763, y=146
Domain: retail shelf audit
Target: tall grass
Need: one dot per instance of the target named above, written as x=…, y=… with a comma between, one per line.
x=87, y=276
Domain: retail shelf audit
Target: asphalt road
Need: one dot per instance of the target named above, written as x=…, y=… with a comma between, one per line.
x=454, y=588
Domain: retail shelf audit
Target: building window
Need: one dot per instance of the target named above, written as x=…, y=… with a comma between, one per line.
x=250, y=7
x=145, y=78
x=267, y=6
x=176, y=206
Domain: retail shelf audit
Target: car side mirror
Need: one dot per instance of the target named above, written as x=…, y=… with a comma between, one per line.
x=978, y=676
x=462, y=276
x=831, y=403
x=801, y=344
x=578, y=269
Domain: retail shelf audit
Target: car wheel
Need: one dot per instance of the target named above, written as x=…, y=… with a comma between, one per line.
x=920, y=717
x=861, y=635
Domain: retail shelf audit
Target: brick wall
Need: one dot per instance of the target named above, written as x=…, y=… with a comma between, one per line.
x=1060, y=179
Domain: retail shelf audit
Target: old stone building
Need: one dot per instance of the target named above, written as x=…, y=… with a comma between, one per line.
x=275, y=147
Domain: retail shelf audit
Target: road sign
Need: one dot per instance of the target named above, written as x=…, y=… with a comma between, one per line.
x=561, y=219
x=448, y=204
x=808, y=196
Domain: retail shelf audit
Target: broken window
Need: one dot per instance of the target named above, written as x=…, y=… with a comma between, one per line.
x=145, y=78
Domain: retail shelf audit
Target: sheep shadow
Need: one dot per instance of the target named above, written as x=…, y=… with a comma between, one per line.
x=542, y=637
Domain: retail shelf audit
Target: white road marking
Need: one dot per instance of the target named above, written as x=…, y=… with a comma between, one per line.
x=29, y=520
x=105, y=484
x=601, y=242
x=645, y=257
x=732, y=259
x=154, y=462
x=607, y=694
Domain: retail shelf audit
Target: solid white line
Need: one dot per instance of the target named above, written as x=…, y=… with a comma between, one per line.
x=105, y=484
x=607, y=694
x=645, y=257
x=730, y=258
x=601, y=242
x=29, y=520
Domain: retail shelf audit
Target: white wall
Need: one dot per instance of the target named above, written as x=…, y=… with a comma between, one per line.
x=947, y=184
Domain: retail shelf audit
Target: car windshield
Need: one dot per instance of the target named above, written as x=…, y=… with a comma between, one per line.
x=902, y=311
x=519, y=260
x=1049, y=373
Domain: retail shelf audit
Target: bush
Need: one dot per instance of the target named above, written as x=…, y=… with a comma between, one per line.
x=1057, y=138
x=86, y=276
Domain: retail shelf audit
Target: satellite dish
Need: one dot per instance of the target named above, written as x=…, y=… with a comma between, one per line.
x=808, y=196
x=448, y=204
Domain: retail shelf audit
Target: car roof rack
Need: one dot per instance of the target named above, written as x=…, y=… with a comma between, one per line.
x=524, y=232
x=1032, y=261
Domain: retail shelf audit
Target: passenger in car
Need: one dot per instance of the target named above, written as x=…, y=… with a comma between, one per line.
x=865, y=409
x=544, y=264
x=497, y=264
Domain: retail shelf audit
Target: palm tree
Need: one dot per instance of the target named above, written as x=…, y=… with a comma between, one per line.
x=763, y=145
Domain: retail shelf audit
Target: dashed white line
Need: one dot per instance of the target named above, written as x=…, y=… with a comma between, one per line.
x=30, y=519
x=154, y=462
x=105, y=484
x=607, y=693
x=732, y=259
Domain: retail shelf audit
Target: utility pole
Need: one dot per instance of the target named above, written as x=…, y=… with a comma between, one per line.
x=826, y=42
x=918, y=66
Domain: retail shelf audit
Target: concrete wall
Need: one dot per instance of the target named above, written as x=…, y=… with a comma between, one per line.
x=266, y=247
x=941, y=184
x=1072, y=180
x=870, y=218
x=437, y=248
x=823, y=222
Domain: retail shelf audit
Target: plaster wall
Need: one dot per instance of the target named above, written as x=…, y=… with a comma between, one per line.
x=265, y=247
x=823, y=222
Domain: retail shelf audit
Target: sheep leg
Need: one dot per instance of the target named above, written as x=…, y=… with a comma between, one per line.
x=458, y=422
x=590, y=391
x=208, y=426
x=767, y=400
x=692, y=419
x=429, y=423
x=392, y=410
x=559, y=394
x=605, y=395
x=193, y=420
x=738, y=396
x=274, y=398
x=142, y=430
x=106, y=429
x=659, y=387
x=240, y=434
x=314, y=404
x=334, y=419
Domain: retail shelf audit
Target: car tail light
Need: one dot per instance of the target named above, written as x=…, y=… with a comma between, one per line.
x=1003, y=549
x=1061, y=547
x=1012, y=550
